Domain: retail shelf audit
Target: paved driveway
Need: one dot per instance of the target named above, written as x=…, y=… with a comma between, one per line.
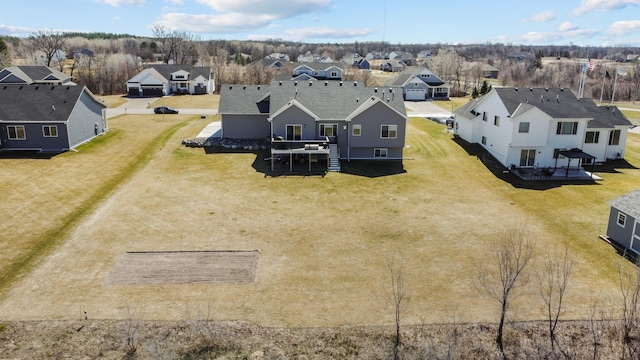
x=425, y=109
x=144, y=106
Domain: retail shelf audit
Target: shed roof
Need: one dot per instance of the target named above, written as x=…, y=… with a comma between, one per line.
x=628, y=203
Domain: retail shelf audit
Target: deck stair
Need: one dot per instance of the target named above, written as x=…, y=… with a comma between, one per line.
x=334, y=158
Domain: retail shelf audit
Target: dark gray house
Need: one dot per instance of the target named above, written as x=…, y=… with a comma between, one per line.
x=34, y=75
x=624, y=221
x=48, y=118
x=332, y=120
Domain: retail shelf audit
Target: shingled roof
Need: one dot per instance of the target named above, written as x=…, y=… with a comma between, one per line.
x=32, y=75
x=244, y=99
x=38, y=102
x=194, y=71
x=628, y=203
x=332, y=100
x=556, y=102
x=604, y=116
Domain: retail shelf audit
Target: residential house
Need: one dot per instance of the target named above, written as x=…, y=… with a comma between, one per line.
x=278, y=56
x=393, y=66
x=424, y=54
x=374, y=56
x=163, y=79
x=357, y=61
x=268, y=63
x=318, y=70
x=311, y=120
x=49, y=118
x=406, y=58
x=624, y=221
x=34, y=75
x=420, y=84
x=542, y=128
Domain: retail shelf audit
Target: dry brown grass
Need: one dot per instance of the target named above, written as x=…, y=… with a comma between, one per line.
x=323, y=241
x=205, y=101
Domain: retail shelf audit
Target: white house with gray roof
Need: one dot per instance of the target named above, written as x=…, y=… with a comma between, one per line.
x=536, y=128
x=624, y=221
x=48, y=118
x=420, y=84
x=332, y=120
x=163, y=79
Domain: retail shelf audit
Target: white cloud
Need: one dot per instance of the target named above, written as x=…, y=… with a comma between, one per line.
x=567, y=26
x=624, y=27
x=544, y=16
x=538, y=37
x=276, y=8
x=15, y=30
x=325, y=32
x=224, y=23
x=587, y=6
x=123, y=2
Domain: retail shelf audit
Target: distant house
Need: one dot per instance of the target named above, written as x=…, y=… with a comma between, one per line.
x=319, y=70
x=326, y=120
x=268, y=63
x=393, y=66
x=374, y=56
x=48, y=118
x=163, y=79
x=519, y=57
x=424, y=54
x=420, y=84
x=278, y=56
x=536, y=128
x=357, y=61
x=624, y=221
x=34, y=75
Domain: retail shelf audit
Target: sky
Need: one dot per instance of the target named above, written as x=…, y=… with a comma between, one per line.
x=540, y=22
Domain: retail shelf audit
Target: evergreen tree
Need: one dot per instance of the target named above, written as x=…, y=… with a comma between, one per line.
x=474, y=93
x=485, y=87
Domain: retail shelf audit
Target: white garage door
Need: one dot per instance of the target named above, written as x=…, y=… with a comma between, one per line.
x=415, y=94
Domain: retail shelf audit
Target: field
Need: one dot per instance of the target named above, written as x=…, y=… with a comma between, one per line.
x=323, y=241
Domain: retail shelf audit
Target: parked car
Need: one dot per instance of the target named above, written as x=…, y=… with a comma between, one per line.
x=165, y=110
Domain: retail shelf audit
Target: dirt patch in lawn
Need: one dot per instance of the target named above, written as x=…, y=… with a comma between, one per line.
x=184, y=267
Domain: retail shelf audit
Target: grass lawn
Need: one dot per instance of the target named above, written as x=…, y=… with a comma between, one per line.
x=205, y=101
x=323, y=242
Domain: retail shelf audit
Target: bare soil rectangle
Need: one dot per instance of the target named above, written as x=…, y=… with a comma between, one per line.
x=184, y=267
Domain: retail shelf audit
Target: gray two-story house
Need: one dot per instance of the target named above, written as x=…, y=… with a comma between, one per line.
x=48, y=118
x=332, y=120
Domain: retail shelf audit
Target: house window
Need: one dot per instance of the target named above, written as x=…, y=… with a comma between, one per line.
x=484, y=140
x=294, y=132
x=389, y=131
x=328, y=129
x=16, y=132
x=380, y=152
x=484, y=116
x=527, y=157
x=50, y=131
x=356, y=130
x=622, y=219
x=523, y=127
x=567, y=128
x=591, y=137
x=614, y=137
x=334, y=74
x=496, y=120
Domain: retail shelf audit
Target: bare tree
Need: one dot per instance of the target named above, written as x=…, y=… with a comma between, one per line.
x=502, y=277
x=553, y=284
x=398, y=293
x=176, y=46
x=598, y=323
x=5, y=57
x=629, y=283
x=47, y=41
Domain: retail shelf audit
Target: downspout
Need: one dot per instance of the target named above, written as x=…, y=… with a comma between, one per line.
x=348, y=141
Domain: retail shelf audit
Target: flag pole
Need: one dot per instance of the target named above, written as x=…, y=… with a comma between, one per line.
x=604, y=76
x=615, y=80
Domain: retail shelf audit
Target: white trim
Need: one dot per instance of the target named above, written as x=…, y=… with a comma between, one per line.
x=395, y=131
x=24, y=132
x=286, y=131
x=44, y=134
x=381, y=151
x=332, y=125
x=624, y=219
x=354, y=127
x=634, y=237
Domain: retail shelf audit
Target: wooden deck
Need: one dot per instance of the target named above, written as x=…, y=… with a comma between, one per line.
x=185, y=267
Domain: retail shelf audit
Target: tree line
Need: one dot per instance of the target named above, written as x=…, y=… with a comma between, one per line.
x=104, y=62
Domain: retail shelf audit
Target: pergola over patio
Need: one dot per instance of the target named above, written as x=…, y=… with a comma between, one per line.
x=574, y=153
